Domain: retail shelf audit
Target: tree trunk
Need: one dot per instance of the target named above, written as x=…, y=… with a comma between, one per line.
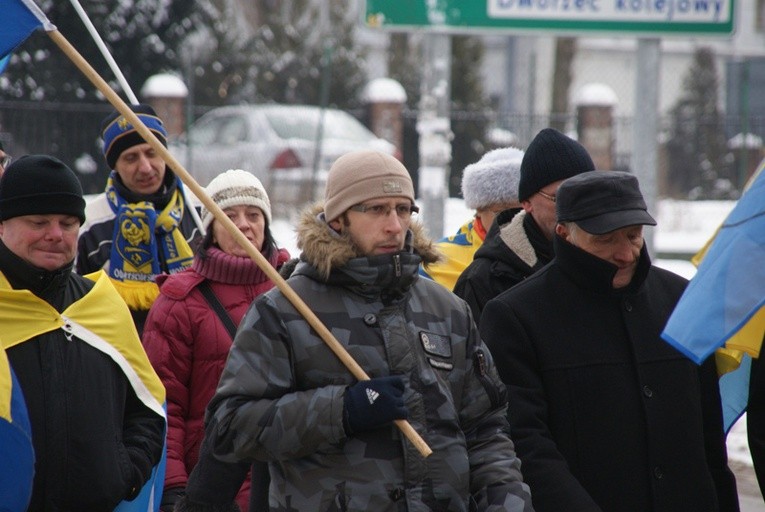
x=565, y=50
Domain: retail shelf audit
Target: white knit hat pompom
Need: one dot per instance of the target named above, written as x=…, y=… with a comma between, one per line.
x=493, y=179
x=236, y=187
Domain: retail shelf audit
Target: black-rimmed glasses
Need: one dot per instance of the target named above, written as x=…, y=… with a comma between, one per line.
x=5, y=160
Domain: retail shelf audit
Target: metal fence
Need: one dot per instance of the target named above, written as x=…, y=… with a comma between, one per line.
x=71, y=133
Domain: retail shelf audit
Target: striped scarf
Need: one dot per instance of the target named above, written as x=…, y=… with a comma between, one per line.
x=145, y=244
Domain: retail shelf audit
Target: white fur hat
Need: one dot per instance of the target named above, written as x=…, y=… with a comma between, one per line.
x=236, y=187
x=493, y=179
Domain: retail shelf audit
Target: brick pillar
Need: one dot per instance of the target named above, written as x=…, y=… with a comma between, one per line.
x=595, y=123
x=167, y=94
x=385, y=99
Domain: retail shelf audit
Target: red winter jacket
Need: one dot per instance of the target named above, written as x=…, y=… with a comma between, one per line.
x=188, y=344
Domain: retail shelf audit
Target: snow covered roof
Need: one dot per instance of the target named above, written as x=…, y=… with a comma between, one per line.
x=596, y=94
x=164, y=85
x=383, y=90
x=502, y=138
x=750, y=141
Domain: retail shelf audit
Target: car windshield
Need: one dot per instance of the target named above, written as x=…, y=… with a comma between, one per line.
x=291, y=124
x=226, y=129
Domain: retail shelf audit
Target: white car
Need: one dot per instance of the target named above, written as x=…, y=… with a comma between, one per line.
x=288, y=147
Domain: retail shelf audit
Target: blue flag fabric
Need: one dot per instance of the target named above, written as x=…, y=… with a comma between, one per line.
x=16, y=450
x=18, y=20
x=734, y=391
x=724, y=304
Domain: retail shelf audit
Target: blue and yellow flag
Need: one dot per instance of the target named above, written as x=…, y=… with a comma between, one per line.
x=102, y=320
x=18, y=20
x=723, y=309
x=724, y=304
x=16, y=450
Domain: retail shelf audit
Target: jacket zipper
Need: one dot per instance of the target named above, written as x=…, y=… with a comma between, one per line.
x=479, y=359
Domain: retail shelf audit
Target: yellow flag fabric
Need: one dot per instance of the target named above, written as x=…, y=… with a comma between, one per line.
x=458, y=251
x=6, y=387
x=101, y=318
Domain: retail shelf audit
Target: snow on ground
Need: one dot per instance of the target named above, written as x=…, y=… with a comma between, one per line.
x=738, y=447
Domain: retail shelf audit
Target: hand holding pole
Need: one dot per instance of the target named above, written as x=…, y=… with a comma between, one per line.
x=339, y=350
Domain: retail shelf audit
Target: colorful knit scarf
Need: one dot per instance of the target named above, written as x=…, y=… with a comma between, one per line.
x=143, y=239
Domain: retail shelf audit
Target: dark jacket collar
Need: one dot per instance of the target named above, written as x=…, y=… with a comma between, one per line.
x=542, y=246
x=23, y=276
x=518, y=242
x=387, y=277
x=590, y=272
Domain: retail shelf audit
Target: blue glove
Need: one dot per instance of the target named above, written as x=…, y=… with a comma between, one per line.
x=373, y=403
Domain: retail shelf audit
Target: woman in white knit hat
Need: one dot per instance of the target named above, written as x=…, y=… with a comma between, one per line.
x=191, y=325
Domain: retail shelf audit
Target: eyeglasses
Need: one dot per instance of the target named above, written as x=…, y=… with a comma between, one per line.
x=378, y=211
x=552, y=198
x=5, y=160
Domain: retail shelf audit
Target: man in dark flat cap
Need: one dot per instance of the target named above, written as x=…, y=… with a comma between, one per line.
x=605, y=415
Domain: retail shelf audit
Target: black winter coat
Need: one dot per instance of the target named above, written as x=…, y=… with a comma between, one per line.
x=755, y=419
x=95, y=442
x=514, y=249
x=605, y=415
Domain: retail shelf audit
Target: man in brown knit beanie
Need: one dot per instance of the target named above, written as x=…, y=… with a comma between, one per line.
x=284, y=396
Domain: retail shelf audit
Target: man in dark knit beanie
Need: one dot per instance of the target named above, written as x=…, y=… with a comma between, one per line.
x=41, y=185
x=142, y=225
x=524, y=241
x=94, y=401
x=550, y=158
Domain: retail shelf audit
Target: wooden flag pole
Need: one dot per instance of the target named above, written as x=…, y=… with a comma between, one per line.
x=190, y=182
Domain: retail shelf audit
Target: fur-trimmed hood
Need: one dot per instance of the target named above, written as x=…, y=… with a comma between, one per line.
x=326, y=249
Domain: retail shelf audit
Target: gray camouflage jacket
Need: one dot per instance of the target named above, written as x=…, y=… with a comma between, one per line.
x=280, y=398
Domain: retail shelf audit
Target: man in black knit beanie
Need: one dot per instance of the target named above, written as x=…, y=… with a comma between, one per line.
x=94, y=401
x=518, y=245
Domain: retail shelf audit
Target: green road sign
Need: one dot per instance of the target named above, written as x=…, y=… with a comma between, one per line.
x=673, y=17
